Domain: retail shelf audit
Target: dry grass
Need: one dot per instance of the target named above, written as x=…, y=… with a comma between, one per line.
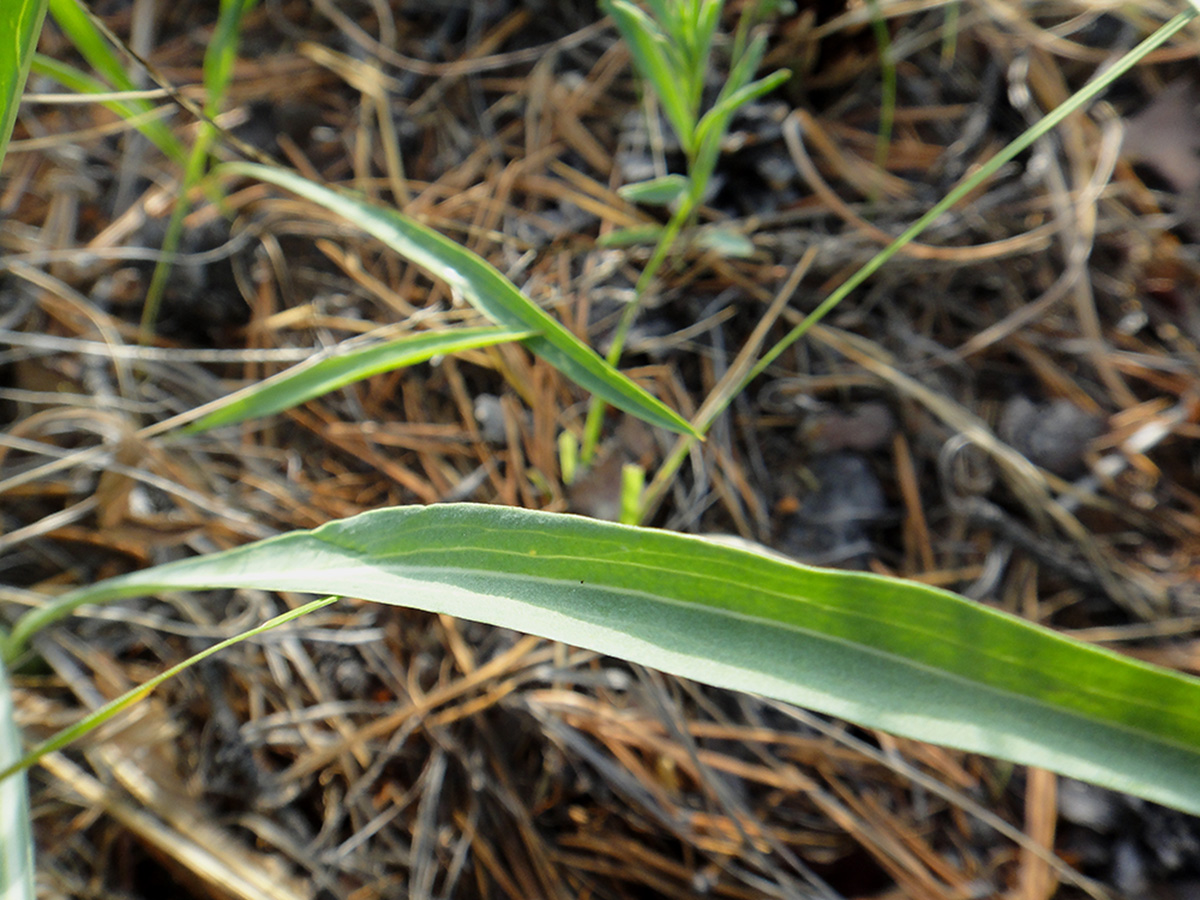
x=378, y=753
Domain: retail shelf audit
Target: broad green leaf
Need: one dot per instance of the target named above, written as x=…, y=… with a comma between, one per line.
x=16, y=841
x=305, y=381
x=20, y=25
x=884, y=653
x=657, y=191
x=485, y=288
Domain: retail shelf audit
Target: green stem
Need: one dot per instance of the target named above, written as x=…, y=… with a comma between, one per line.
x=887, y=107
x=1076, y=102
x=1049, y=121
x=596, y=406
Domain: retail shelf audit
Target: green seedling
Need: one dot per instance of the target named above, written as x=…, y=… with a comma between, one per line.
x=672, y=47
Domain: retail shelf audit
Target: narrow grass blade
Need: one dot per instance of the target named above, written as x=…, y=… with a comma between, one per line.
x=16, y=841
x=884, y=653
x=715, y=123
x=20, y=25
x=97, y=718
x=1048, y=122
x=302, y=383
x=485, y=288
x=73, y=19
x=134, y=111
x=222, y=52
x=218, y=70
x=630, y=237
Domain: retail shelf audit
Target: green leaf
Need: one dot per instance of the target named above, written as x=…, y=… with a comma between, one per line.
x=884, y=653
x=305, y=381
x=16, y=841
x=134, y=111
x=73, y=19
x=744, y=66
x=485, y=288
x=715, y=123
x=729, y=242
x=98, y=717
x=657, y=63
x=20, y=25
x=661, y=191
x=222, y=52
x=75, y=23
x=707, y=16
x=630, y=237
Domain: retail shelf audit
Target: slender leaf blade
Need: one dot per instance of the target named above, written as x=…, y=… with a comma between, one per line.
x=20, y=25
x=486, y=289
x=884, y=653
x=715, y=123
x=630, y=237
x=73, y=19
x=222, y=52
x=16, y=839
x=134, y=112
x=105, y=713
x=303, y=382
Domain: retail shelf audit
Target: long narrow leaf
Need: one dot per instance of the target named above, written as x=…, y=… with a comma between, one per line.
x=98, y=717
x=889, y=654
x=134, y=111
x=73, y=19
x=222, y=52
x=218, y=70
x=716, y=121
x=486, y=289
x=16, y=841
x=302, y=383
x=20, y=25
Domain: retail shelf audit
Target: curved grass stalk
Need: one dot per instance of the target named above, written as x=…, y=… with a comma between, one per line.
x=659, y=483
